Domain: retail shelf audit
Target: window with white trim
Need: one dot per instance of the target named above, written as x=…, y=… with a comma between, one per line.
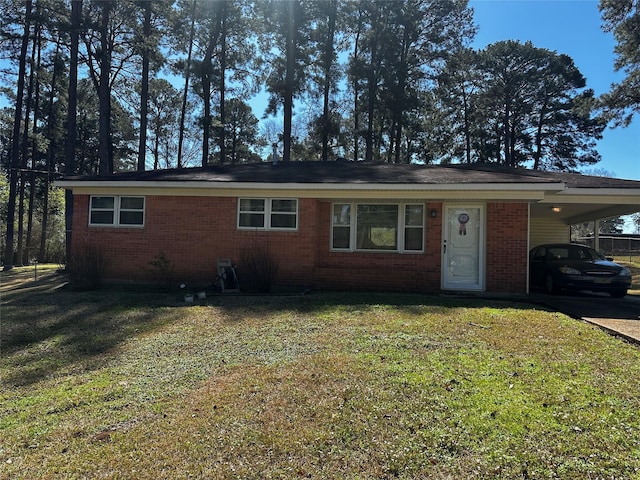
x=384, y=227
x=116, y=211
x=268, y=213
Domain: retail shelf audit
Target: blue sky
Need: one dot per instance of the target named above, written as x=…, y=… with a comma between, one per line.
x=572, y=27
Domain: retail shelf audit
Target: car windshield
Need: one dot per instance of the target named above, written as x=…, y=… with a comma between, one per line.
x=574, y=252
x=595, y=255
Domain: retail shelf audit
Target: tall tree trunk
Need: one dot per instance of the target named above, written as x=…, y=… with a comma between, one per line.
x=207, y=72
x=206, y=98
x=144, y=87
x=156, y=152
x=187, y=74
x=223, y=86
x=20, y=249
x=51, y=121
x=72, y=107
x=15, y=145
x=34, y=146
x=29, y=104
x=372, y=87
x=537, y=154
x=398, y=142
x=402, y=85
x=328, y=61
x=467, y=132
x=105, y=151
x=28, y=255
x=234, y=149
x=356, y=94
x=289, y=79
x=507, y=134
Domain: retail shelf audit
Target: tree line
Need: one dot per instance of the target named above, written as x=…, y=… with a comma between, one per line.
x=101, y=86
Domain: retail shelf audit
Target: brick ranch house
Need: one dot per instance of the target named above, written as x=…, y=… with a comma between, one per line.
x=341, y=225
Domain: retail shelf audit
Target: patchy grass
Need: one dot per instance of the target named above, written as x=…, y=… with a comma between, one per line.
x=126, y=384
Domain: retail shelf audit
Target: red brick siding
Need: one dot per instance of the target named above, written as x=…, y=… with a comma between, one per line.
x=194, y=232
x=379, y=271
x=506, y=248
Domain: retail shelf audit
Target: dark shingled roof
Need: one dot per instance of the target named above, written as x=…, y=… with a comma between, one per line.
x=346, y=172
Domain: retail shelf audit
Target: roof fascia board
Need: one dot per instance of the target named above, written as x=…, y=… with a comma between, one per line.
x=613, y=211
x=614, y=198
x=590, y=192
x=344, y=192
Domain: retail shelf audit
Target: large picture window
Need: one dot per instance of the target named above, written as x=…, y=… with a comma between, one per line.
x=116, y=211
x=268, y=213
x=377, y=227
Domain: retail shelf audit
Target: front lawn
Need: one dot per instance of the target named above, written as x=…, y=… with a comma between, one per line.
x=120, y=383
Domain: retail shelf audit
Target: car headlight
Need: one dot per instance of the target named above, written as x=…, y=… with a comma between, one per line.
x=625, y=272
x=569, y=270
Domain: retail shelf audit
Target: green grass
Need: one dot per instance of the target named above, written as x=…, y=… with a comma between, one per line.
x=120, y=383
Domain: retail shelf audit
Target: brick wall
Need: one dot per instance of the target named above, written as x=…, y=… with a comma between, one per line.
x=379, y=271
x=507, y=247
x=194, y=232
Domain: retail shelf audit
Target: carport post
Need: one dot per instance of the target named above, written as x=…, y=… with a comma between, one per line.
x=596, y=234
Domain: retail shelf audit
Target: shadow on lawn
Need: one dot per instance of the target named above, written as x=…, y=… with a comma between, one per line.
x=48, y=331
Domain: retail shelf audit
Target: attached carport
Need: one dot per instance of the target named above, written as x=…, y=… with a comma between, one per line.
x=583, y=199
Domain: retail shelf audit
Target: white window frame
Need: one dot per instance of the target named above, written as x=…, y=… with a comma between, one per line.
x=401, y=227
x=117, y=209
x=267, y=214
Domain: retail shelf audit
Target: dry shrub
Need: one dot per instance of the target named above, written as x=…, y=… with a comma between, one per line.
x=86, y=267
x=163, y=270
x=258, y=268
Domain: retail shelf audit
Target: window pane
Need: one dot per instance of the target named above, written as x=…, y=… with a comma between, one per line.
x=341, y=237
x=132, y=203
x=377, y=227
x=342, y=214
x=102, y=218
x=131, y=218
x=253, y=220
x=413, y=239
x=284, y=206
x=283, y=221
x=102, y=202
x=251, y=205
x=414, y=215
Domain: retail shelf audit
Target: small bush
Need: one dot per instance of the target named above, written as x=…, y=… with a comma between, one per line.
x=163, y=270
x=258, y=269
x=86, y=268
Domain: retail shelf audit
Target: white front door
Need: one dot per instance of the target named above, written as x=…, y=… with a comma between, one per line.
x=463, y=248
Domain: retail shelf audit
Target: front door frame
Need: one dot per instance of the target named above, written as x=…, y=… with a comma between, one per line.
x=446, y=282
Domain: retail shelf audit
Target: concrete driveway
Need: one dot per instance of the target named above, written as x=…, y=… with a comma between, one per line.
x=617, y=315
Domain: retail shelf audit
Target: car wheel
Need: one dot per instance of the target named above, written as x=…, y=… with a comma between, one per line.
x=550, y=285
x=618, y=293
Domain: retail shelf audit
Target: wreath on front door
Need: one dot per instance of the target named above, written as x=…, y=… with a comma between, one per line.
x=463, y=219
